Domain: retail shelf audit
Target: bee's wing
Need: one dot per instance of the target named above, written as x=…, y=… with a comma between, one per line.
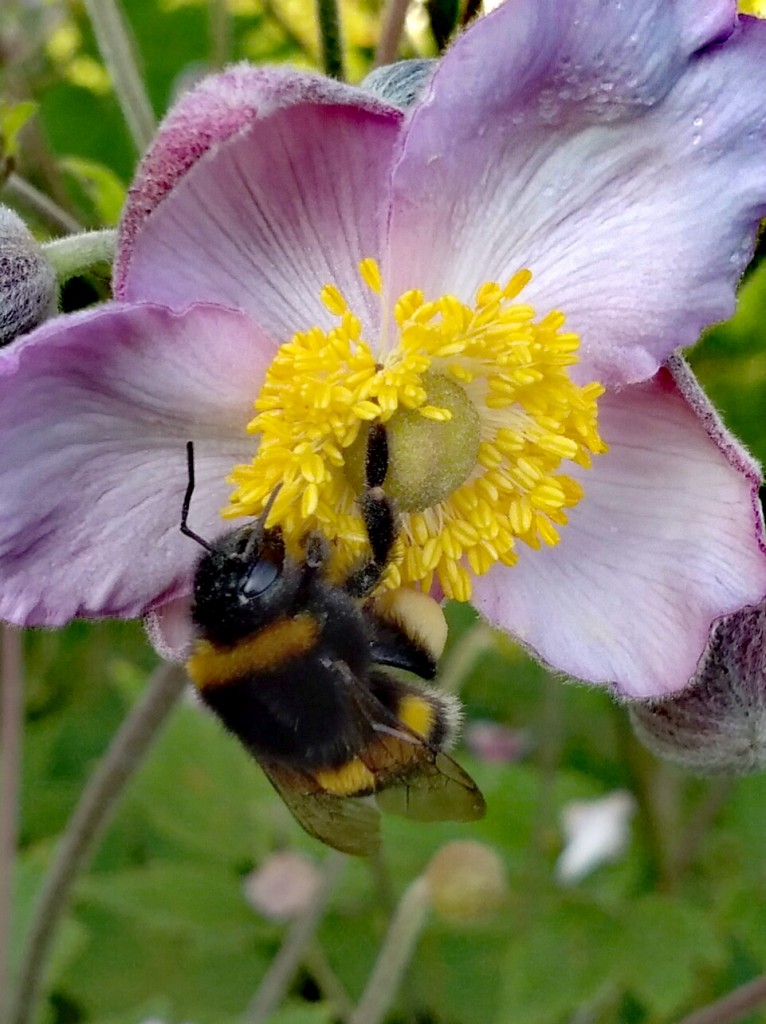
x=420, y=782
x=345, y=823
x=413, y=778
x=439, y=791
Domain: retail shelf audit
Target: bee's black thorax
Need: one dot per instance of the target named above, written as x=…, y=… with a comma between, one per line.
x=279, y=638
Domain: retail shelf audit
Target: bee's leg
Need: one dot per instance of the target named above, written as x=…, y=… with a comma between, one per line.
x=376, y=458
x=317, y=551
x=316, y=554
x=378, y=515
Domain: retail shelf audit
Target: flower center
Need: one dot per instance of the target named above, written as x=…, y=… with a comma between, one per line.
x=428, y=458
x=480, y=413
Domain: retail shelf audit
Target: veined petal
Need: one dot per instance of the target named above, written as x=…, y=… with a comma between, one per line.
x=95, y=411
x=667, y=539
x=170, y=629
x=617, y=150
x=289, y=195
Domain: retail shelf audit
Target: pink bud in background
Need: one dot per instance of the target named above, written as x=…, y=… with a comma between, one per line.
x=717, y=726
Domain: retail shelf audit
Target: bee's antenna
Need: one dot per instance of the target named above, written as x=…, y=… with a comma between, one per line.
x=187, y=501
x=260, y=525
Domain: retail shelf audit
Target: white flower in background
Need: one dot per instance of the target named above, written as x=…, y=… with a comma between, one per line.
x=595, y=832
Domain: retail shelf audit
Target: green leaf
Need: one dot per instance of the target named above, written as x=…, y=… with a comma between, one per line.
x=204, y=975
x=200, y=902
x=663, y=948
x=563, y=962
x=104, y=188
x=204, y=794
x=13, y=117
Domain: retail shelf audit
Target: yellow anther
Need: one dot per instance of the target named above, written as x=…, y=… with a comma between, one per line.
x=370, y=274
x=333, y=300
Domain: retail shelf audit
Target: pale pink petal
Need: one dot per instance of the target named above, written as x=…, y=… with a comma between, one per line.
x=667, y=538
x=170, y=630
x=95, y=412
x=616, y=150
x=270, y=213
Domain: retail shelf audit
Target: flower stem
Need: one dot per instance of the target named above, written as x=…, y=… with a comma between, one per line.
x=91, y=817
x=640, y=767
x=696, y=830
x=44, y=207
x=11, y=727
x=331, y=52
x=733, y=1006
x=290, y=956
x=395, y=954
x=465, y=652
x=391, y=33
x=116, y=46
x=219, y=21
x=551, y=733
x=316, y=962
x=75, y=253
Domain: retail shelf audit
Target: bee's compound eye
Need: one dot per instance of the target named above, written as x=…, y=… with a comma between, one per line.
x=260, y=577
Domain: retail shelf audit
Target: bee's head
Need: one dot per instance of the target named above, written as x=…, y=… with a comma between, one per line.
x=241, y=584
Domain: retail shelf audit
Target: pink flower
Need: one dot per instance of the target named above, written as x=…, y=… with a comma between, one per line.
x=617, y=151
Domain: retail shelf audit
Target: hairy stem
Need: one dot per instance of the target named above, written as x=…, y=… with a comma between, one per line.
x=51, y=213
x=551, y=733
x=97, y=805
x=291, y=955
x=696, y=830
x=641, y=767
x=11, y=726
x=315, y=960
x=465, y=652
x=75, y=253
x=219, y=21
x=395, y=954
x=733, y=1006
x=391, y=33
x=116, y=47
x=330, y=50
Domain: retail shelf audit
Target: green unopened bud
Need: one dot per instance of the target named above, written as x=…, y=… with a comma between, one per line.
x=27, y=280
x=467, y=881
x=428, y=459
x=717, y=726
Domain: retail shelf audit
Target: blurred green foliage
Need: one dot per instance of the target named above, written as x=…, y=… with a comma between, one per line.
x=160, y=927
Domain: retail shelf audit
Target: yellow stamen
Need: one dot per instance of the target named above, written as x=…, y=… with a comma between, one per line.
x=511, y=371
x=370, y=273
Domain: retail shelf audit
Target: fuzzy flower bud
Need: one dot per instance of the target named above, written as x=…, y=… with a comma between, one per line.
x=467, y=881
x=284, y=886
x=717, y=726
x=400, y=83
x=27, y=280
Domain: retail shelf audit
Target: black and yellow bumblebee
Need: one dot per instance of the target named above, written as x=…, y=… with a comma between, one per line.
x=288, y=661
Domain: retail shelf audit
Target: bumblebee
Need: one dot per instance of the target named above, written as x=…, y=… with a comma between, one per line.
x=289, y=662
